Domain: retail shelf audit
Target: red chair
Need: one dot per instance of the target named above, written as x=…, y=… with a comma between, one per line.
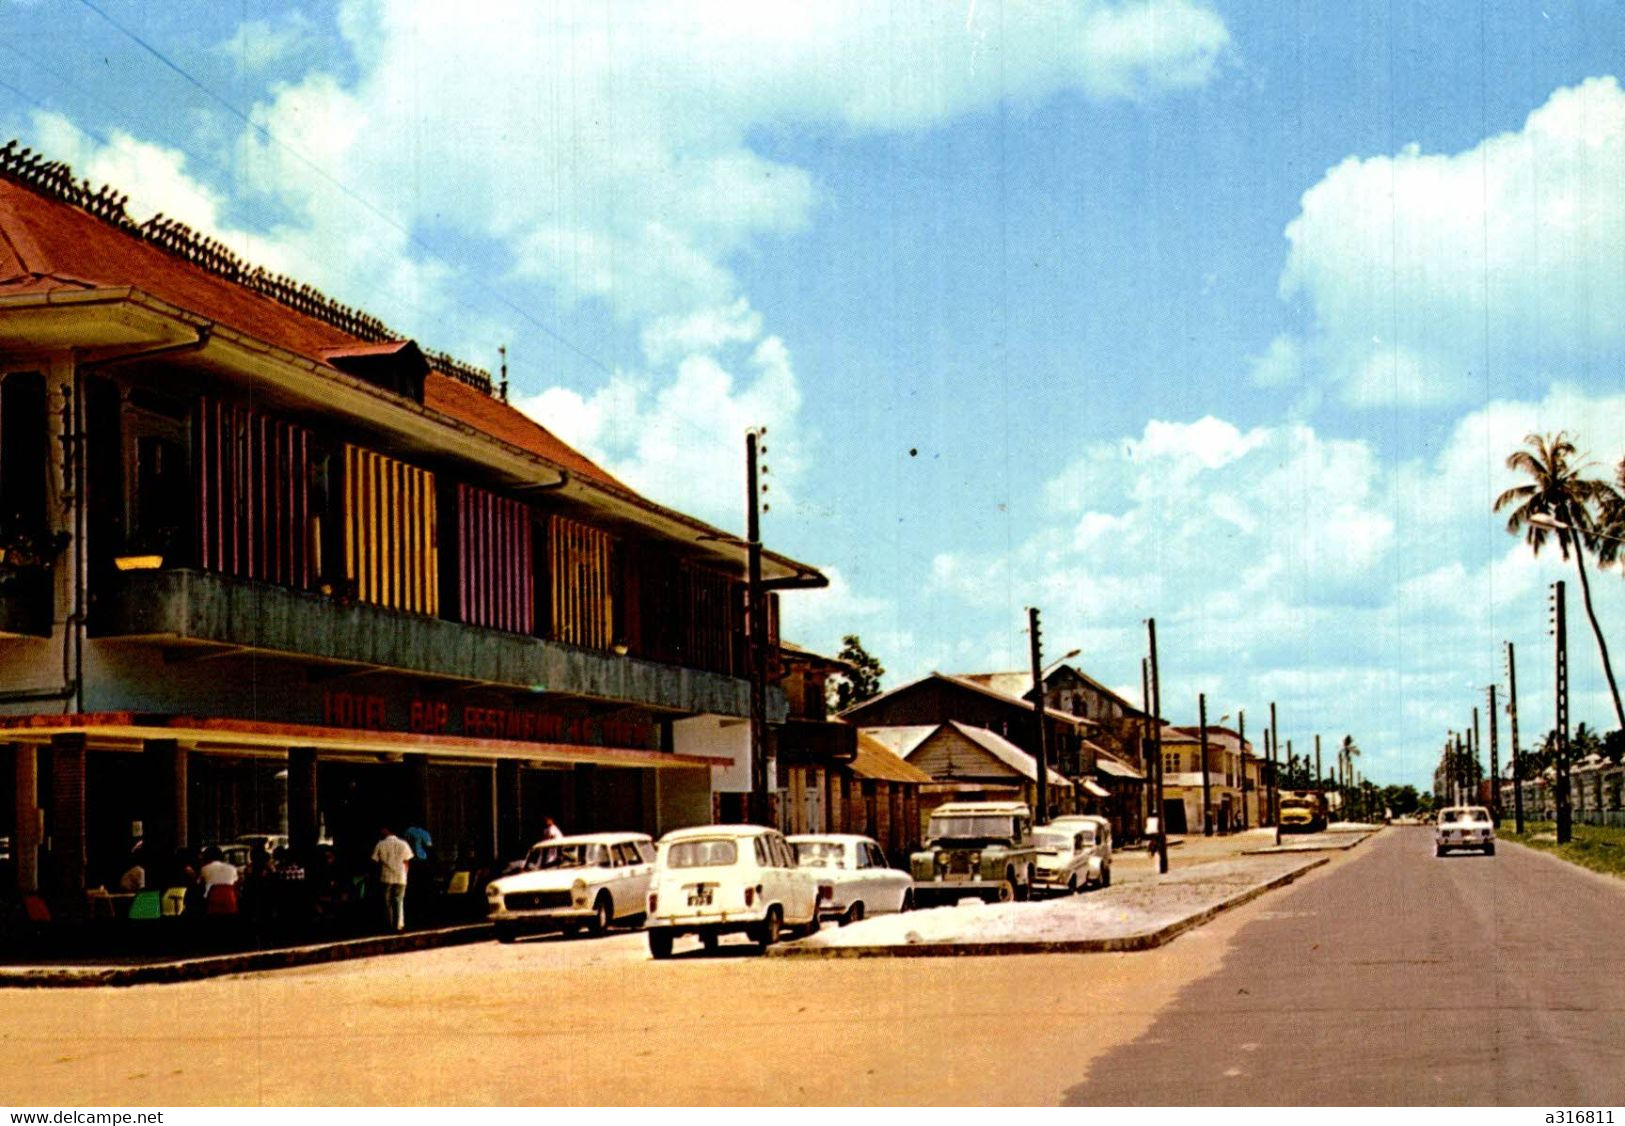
x=220, y=900
x=35, y=908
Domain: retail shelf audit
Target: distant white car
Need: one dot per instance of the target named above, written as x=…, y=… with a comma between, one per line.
x=1074, y=852
x=1464, y=826
x=714, y=880
x=590, y=881
x=861, y=881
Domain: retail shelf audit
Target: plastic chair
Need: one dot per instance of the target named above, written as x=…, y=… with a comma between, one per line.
x=459, y=883
x=221, y=900
x=174, y=902
x=146, y=905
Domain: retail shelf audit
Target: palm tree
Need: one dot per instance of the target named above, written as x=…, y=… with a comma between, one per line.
x=1558, y=491
x=1611, y=520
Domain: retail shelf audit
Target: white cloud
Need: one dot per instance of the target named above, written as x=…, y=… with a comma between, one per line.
x=257, y=45
x=1422, y=269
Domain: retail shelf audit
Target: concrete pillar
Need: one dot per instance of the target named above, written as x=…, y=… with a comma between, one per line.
x=304, y=816
x=164, y=810
x=68, y=841
x=510, y=809
x=25, y=843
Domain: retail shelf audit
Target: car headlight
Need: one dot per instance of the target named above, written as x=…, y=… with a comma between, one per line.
x=492, y=891
x=578, y=893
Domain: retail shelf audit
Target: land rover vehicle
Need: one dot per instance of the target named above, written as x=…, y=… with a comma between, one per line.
x=982, y=849
x=861, y=881
x=589, y=881
x=713, y=880
x=1464, y=826
x=1303, y=811
x=1074, y=851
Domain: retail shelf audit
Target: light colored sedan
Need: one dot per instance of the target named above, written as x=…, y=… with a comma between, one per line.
x=1464, y=826
x=856, y=868
x=591, y=881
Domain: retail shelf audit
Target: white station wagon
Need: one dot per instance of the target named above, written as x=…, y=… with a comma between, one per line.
x=593, y=881
x=861, y=881
x=714, y=880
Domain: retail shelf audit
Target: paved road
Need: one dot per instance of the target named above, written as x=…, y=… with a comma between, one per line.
x=1400, y=979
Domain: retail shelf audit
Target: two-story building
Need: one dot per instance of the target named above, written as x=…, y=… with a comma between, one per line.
x=267, y=566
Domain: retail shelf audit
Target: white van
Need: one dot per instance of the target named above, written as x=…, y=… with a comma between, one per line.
x=713, y=880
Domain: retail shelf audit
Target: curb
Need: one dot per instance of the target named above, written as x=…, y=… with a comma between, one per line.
x=1116, y=944
x=195, y=969
x=1282, y=850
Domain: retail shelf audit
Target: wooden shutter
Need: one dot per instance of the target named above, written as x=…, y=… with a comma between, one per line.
x=495, y=577
x=253, y=495
x=391, y=557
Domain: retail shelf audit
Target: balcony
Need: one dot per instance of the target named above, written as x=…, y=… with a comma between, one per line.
x=195, y=608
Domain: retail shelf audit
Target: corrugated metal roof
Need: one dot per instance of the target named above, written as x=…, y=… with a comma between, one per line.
x=1116, y=769
x=901, y=740
x=1000, y=748
x=876, y=760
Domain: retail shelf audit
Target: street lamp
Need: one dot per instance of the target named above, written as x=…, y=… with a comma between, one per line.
x=1553, y=524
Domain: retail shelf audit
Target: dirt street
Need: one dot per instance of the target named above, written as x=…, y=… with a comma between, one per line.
x=556, y=1021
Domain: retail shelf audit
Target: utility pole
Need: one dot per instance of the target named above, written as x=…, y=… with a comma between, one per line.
x=1291, y=766
x=1207, y=796
x=1512, y=722
x=1495, y=761
x=756, y=638
x=1275, y=783
x=1319, y=778
x=1042, y=812
x=1156, y=712
x=1565, y=815
x=1474, y=770
x=1241, y=757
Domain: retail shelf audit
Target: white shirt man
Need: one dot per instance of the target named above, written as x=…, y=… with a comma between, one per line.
x=392, y=855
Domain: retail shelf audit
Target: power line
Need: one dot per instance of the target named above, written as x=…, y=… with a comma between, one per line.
x=354, y=195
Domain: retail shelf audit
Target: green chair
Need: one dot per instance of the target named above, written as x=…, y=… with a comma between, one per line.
x=147, y=905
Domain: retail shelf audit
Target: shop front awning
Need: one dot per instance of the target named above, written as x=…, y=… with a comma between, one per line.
x=252, y=738
x=1095, y=789
x=1113, y=769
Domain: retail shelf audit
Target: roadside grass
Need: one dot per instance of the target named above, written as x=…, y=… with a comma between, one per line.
x=1600, y=848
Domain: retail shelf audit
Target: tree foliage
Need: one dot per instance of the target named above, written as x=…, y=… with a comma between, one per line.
x=861, y=682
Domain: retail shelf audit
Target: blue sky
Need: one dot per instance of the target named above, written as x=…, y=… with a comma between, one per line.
x=1225, y=314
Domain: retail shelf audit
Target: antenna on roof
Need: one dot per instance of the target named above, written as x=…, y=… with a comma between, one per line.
x=502, y=350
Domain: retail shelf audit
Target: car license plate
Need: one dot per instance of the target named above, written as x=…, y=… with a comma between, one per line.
x=699, y=896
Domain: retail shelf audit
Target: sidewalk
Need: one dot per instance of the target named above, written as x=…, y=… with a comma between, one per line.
x=1141, y=910
x=136, y=969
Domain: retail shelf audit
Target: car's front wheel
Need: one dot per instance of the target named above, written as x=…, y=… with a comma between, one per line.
x=1489, y=850
x=660, y=940
x=854, y=914
x=1438, y=850
x=1106, y=876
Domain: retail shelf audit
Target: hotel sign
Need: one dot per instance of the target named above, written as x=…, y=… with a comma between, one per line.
x=427, y=715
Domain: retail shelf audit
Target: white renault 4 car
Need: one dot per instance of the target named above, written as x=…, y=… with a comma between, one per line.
x=1073, y=852
x=713, y=880
x=861, y=881
x=593, y=881
x=1464, y=826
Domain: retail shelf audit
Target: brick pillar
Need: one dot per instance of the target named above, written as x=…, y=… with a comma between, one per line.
x=304, y=816
x=164, y=811
x=25, y=842
x=882, y=810
x=68, y=812
x=510, y=809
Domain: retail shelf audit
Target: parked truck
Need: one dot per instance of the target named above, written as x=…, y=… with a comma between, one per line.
x=980, y=849
x=1303, y=811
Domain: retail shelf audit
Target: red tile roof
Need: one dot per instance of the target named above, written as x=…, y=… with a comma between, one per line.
x=49, y=244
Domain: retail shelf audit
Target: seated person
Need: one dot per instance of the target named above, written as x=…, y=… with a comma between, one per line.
x=216, y=870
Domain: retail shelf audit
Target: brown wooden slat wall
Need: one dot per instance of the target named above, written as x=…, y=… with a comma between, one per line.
x=253, y=495
x=711, y=620
x=391, y=557
x=581, y=610
x=496, y=583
